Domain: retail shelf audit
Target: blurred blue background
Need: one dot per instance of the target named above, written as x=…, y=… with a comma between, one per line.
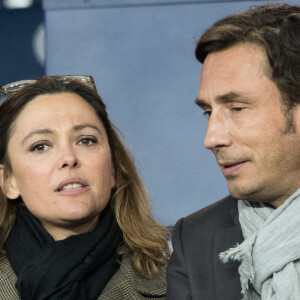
x=141, y=54
x=22, y=40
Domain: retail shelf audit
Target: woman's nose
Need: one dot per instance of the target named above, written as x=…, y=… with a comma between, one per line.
x=68, y=159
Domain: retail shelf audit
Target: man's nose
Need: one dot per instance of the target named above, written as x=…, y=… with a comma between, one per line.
x=218, y=133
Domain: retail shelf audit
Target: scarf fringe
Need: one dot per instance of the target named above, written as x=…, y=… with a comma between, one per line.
x=267, y=233
x=240, y=253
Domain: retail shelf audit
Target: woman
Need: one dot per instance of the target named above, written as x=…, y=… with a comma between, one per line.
x=75, y=221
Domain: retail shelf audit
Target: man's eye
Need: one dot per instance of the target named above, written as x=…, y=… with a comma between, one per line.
x=87, y=141
x=238, y=108
x=40, y=147
x=207, y=113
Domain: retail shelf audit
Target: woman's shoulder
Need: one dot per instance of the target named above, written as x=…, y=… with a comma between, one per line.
x=7, y=281
x=127, y=283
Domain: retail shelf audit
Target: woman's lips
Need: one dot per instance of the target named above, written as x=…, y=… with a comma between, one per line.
x=232, y=167
x=73, y=192
x=72, y=186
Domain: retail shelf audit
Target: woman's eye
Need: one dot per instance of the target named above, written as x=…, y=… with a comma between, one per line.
x=87, y=141
x=41, y=147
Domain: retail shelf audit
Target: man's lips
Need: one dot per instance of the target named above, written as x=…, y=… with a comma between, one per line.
x=229, y=168
x=71, y=184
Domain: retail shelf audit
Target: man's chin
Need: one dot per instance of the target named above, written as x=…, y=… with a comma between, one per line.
x=245, y=193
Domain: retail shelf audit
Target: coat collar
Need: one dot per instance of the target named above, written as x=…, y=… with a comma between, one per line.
x=127, y=283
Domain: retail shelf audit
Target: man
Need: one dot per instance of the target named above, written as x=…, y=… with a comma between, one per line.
x=248, y=244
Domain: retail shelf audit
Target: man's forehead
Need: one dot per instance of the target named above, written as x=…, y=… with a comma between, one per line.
x=238, y=57
x=232, y=74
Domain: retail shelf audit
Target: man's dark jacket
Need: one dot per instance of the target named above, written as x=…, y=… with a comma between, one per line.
x=195, y=270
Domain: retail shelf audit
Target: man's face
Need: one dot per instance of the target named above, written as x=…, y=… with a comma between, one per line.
x=256, y=149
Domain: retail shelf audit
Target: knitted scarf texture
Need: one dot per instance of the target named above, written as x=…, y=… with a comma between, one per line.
x=77, y=267
x=269, y=256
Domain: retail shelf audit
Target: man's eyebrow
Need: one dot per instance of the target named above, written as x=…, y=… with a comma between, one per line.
x=231, y=96
x=201, y=103
x=228, y=97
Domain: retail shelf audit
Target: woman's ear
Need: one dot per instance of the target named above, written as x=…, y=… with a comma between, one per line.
x=113, y=177
x=8, y=184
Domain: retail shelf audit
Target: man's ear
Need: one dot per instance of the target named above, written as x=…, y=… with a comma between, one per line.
x=8, y=184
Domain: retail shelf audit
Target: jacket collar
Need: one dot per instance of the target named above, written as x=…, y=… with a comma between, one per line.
x=127, y=283
x=227, y=277
x=154, y=287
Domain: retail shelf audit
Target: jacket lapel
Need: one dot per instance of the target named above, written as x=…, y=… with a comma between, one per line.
x=227, y=279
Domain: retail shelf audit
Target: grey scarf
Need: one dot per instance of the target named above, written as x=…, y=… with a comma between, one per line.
x=270, y=253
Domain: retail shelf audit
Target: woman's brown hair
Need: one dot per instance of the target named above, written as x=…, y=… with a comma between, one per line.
x=144, y=238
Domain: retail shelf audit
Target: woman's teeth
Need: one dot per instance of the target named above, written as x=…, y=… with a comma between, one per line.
x=71, y=186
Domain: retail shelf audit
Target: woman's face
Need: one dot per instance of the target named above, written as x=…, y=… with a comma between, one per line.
x=61, y=163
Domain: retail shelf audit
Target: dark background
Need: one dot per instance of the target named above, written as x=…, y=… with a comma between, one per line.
x=17, y=57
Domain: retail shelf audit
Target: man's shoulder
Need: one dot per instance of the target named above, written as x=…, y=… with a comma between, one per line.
x=223, y=213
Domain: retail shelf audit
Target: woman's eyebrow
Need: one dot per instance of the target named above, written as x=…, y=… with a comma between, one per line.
x=38, y=131
x=84, y=126
x=49, y=131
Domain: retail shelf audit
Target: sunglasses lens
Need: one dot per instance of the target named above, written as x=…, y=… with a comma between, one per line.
x=3, y=97
x=18, y=85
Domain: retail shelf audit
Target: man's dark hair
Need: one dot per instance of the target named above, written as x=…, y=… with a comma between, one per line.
x=276, y=28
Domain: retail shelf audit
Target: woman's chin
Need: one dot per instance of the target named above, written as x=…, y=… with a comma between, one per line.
x=78, y=216
x=76, y=211
x=70, y=223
